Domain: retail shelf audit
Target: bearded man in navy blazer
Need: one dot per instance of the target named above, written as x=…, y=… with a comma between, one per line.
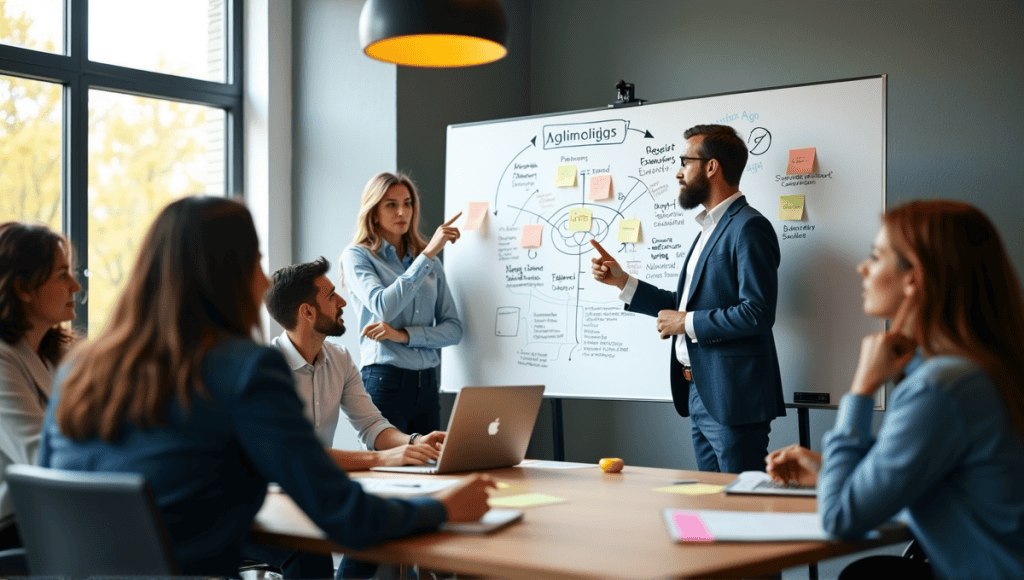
x=724, y=367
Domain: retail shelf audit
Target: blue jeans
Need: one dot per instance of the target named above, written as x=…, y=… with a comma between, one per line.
x=726, y=448
x=407, y=399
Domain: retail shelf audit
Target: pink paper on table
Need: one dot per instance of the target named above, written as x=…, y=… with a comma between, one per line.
x=691, y=528
x=600, y=187
x=800, y=161
x=477, y=213
x=531, y=236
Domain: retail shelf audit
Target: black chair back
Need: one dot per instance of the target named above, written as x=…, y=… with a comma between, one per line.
x=81, y=524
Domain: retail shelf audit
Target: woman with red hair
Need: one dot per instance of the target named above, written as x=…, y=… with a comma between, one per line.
x=950, y=451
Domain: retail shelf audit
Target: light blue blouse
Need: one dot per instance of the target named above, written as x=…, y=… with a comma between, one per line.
x=408, y=294
x=949, y=453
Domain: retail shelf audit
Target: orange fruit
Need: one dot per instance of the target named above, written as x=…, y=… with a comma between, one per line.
x=611, y=464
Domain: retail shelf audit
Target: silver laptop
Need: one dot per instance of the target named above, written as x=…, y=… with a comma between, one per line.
x=760, y=483
x=490, y=427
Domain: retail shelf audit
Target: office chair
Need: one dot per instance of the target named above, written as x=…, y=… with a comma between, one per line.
x=80, y=524
x=13, y=562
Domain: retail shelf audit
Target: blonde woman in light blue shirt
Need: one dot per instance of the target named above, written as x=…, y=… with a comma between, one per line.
x=397, y=285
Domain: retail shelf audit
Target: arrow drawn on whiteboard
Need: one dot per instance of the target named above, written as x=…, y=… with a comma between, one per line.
x=647, y=134
x=520, y=209
x=533, y=143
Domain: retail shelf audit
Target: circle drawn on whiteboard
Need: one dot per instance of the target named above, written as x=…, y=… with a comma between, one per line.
x=759, y=141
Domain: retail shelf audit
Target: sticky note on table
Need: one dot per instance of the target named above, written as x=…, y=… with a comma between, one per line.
x=524, y=500
x=600, y=186
x=566, y=176
x=800, y=161
x=531, y=236
x=791, y=207
x=475, y=215
x=580, y=219
x=690, y=528
x=629, y=231
x=692, y=489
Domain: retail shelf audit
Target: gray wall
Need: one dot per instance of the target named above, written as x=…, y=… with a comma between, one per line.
x=956, y=70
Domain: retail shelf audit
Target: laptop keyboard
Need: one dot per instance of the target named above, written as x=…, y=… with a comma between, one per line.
x=772, y=484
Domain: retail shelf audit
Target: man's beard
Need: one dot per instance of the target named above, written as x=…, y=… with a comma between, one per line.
x=328, y=326
x=695, y=193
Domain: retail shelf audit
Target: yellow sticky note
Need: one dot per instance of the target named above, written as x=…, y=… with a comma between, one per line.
x=566, y=176
x=791, y=207
x=579, y=219
x=475, y=215
x=800, y=161
x=531, y=236
x=629, y=231
x=524, y=500
x=692, y=489
x=600, y=187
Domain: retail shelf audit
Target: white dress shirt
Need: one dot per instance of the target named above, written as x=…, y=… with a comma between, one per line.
x=329, y=385
x=708, y=220
x=25, y=382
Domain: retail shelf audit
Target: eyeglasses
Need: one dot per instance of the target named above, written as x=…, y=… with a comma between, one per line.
x=683, y=158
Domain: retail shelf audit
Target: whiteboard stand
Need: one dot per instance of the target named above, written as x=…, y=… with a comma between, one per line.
x=557, y=429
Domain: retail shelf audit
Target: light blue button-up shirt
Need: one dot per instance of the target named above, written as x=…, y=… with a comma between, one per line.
x=948, y=453
x=409, y=294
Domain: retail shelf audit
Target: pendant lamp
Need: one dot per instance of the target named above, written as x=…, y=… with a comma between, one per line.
x=433, y=33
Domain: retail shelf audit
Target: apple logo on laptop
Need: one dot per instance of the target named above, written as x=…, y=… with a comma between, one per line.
x=492, y=429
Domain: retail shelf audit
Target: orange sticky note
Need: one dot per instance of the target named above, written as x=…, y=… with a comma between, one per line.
x=800, y=161
x=791, y=207
x=566, y=176
x=600, y=186
x=579, y=219
x=531, y=236
x=629, y=231
x=475, y=215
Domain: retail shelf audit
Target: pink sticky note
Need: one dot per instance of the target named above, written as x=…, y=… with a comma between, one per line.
x=476, y=214
x=800, y=161
x=691, y=528
x=600, y=187
x=531, y=236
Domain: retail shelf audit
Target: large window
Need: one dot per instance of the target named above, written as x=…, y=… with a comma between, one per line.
x=109, y=109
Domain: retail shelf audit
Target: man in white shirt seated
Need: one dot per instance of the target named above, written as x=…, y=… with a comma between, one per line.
x=303, y=301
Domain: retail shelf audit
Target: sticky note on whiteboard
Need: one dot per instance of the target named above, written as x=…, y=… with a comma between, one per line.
x=629, y=231
x=600, y=186
x=580, y=219
x=531, y=236
x=566, y=176
x=477, y=213
x=791, y=207
x=800, y=161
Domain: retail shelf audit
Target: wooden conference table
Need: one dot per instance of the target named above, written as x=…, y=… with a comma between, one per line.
x=610, y=527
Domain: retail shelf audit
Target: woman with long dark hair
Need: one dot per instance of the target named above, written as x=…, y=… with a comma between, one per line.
x=175, y=389
x=37, y=296
x=950, y=450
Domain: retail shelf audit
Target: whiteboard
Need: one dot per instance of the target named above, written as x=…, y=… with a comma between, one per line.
x=537, y=316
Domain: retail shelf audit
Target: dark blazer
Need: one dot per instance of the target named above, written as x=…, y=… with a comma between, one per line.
x=732, y=297
x=209, y=467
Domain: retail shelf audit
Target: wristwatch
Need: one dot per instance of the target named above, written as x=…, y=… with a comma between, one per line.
x=412, y=438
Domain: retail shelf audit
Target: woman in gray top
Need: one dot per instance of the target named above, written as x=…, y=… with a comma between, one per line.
x=37, y=291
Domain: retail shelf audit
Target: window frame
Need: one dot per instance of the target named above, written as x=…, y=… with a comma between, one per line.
x=78, y=75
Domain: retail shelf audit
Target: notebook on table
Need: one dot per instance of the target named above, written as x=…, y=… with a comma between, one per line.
x=490, y=427
x=760, y=483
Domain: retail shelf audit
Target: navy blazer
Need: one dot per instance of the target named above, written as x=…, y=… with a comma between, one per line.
x=209, y=467
x=732, y=298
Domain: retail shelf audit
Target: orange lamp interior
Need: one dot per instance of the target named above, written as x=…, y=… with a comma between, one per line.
x=436, y=50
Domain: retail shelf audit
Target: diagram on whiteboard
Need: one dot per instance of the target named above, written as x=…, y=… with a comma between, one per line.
x=532, y=312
